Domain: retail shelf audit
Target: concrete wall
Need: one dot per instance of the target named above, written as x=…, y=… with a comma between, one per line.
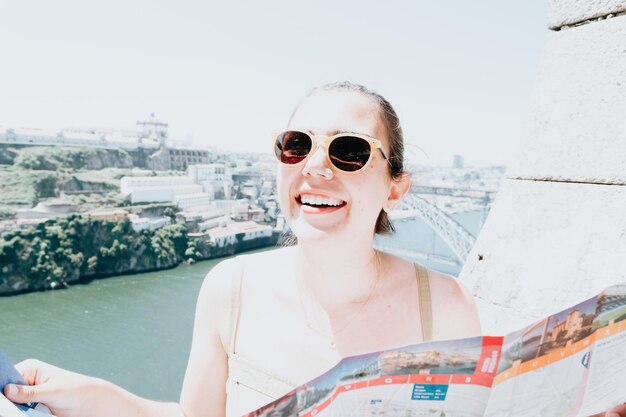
x=572, y=12
x=557, y=231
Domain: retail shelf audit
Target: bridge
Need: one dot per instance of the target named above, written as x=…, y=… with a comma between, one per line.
x=451, y=232
x=484, y=196
x=458, y=239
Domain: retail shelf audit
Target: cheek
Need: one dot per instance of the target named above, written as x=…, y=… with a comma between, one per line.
x=370, y=203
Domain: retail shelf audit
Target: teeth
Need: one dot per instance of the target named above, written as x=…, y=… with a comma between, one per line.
x=318, y=200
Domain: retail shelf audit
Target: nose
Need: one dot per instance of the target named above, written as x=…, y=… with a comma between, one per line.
x=317, y=164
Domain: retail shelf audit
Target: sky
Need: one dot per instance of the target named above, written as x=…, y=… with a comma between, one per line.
x=227, y=74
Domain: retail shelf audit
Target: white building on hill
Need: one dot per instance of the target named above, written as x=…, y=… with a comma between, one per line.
x=184, y=201
x=145, y=223
x=228, y=235
x=214, y=178
x=75, y=137
x=130, y=184
x=204, y=185
x=157, y=189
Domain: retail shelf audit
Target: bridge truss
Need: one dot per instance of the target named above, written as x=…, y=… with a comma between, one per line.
x=451, y=232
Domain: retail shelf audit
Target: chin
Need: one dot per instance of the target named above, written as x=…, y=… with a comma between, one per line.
x=307, y=232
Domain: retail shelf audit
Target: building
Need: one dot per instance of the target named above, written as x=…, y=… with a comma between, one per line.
x=199, y=214
x=108, y=214
x=236, y=232
x=145, y=223
x=153, y=128
x=163, y=194
x=150, y=134
x=572, y=323
x=230, y=206
x=249, y=189
x=220, y=221
x=129, y=184
x=76, y=137
x=177, y=159
x=185, y=201
x=267, y=188
x=214, y=178
x=157, y=189
x=199, y=188
x=458, y=162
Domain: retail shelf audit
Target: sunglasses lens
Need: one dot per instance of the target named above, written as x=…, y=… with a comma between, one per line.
x=349, y=153
x=292, y=147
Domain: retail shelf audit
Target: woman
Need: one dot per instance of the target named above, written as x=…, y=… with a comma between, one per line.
x=270, y=321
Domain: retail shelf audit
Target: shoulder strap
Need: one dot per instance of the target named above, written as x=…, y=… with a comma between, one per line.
x=426, y=309
x=235, y=304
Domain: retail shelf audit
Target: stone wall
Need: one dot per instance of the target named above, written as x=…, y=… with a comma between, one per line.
x=556, y=233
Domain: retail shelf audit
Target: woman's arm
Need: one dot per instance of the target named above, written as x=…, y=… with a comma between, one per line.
x=70, y=394
x=204, y=387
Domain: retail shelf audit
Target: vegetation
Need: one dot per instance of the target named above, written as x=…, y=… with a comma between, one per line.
x=6, y=213
x=73, y=158
x=26, y=187
x=20, y=187
x=29, y=174
x=64, y=250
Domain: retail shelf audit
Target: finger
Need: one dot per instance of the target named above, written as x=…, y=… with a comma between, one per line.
x=33, y=371
x=619, y=411
x=24, y=394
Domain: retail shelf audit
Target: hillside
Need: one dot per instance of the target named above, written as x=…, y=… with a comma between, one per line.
x=88, y=177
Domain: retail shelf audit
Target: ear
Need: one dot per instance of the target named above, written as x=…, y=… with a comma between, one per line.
x=397, y=189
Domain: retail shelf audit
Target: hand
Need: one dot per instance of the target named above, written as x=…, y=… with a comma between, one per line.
x=619, y=411
x=66, y=393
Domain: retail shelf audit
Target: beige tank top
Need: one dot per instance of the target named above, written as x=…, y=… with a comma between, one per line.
x=249, y=386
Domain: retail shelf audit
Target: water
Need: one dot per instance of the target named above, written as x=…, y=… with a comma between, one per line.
x=135, y=330
x=431, y=250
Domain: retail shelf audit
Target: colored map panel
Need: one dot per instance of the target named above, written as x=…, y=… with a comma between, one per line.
x=433, y=392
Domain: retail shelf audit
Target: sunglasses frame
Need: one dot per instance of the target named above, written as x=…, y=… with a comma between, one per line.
x=325, y=143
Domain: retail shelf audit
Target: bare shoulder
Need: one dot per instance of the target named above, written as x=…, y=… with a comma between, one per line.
x=454, y=310
x=273, y=257
x=270, y=268
x=217, y=288
x=213, y=309
x=218, y=281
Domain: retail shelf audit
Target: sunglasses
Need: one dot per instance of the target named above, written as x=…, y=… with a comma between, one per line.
x=347, y=152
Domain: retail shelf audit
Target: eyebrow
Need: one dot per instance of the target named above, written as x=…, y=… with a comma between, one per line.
x=349, y=132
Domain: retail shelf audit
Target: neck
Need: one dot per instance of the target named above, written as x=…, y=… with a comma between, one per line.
x=338, y=276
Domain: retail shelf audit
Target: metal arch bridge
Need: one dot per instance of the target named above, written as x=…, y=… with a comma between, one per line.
x=451, y=232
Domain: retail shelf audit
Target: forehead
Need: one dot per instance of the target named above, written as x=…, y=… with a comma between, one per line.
x=330, y=112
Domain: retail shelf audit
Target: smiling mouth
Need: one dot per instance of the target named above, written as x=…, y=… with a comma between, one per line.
x=319, y=201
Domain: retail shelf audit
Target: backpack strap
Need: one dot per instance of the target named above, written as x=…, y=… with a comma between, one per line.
x=426, y=309
x=235, y=304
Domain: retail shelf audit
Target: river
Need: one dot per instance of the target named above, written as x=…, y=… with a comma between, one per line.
x=135, y=330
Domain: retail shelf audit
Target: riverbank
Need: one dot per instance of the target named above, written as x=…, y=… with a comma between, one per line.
x=76, y=249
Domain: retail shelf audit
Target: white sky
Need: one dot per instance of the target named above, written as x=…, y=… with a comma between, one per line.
x=459, y=73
